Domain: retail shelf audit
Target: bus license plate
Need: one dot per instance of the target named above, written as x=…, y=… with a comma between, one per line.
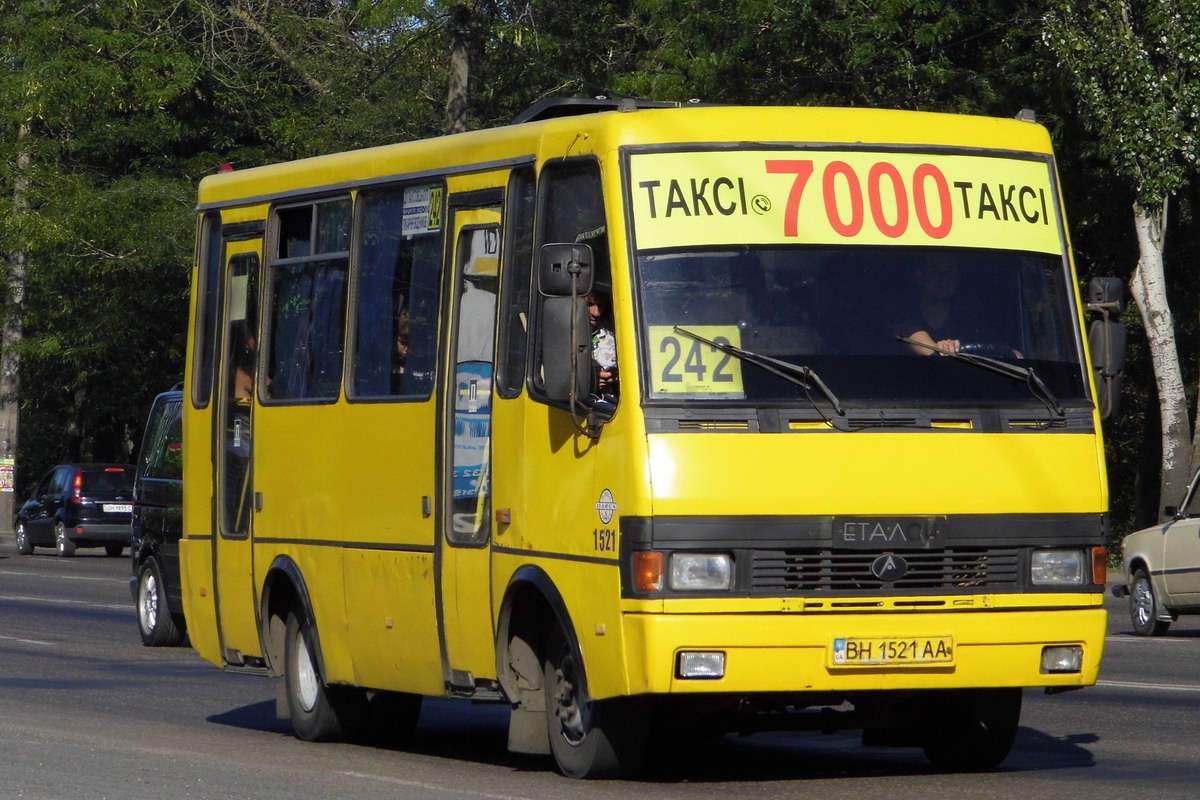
x=870, y=651
x=118, y=508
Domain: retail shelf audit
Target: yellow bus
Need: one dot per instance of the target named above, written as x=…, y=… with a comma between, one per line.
x=639, y=418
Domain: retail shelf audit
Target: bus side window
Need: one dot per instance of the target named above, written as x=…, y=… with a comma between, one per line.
x=212, y=256
x=517, y=275
x=307, y=306
x=396, y=296
x=573, y=212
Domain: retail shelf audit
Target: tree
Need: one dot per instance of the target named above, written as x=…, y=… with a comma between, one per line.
x=1133, y=65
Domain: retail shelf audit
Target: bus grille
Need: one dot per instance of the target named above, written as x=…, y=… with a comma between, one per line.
x=968, y=569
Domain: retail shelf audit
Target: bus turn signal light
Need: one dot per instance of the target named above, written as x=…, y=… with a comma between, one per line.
x=648, y=571
x=1100, y=565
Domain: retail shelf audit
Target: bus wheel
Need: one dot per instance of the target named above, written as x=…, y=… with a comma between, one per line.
x=589, y=738
x=319, y=713
x=156, y=625
x=972, y=730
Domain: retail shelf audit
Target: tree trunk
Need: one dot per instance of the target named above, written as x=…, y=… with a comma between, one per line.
x=460, y=63
x=1149, y=290
x=10, y=338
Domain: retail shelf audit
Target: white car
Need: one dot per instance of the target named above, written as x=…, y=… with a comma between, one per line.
x=1162, y=567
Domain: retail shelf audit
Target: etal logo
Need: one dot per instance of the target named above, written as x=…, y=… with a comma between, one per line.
x=606, y=506
x=889, y=568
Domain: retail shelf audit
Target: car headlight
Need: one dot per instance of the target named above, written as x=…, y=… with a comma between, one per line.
x=1057, y=567
x=699, y=572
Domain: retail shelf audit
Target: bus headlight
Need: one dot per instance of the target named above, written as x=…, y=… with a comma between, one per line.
x=701, y=572
x=1057, y=567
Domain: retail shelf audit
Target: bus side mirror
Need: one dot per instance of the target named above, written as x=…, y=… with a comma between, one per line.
x=565, y=338
x=565, y=269
x=1106, y=341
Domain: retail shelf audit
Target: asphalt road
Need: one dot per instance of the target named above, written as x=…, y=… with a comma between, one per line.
x=86, y=712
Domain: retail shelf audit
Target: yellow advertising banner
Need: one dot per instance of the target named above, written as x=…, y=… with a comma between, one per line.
x=842, y=197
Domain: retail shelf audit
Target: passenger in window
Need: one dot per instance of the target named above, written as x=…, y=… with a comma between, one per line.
x=604, y=345
x=243, y=376
x=400, y=354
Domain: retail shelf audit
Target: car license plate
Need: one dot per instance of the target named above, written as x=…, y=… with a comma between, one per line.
x=118, y=508
x=891, y=651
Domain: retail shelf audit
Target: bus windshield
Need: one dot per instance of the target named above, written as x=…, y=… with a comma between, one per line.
x=841, y=311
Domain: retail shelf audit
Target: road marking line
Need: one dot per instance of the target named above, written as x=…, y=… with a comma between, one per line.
x=60, y=577
x=1148, y=639
x=433, y=786
x=64, y=602
x=28, y=641
x=1166, y=687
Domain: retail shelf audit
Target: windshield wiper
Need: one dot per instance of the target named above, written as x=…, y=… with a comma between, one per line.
x=793, y=373
x=1026, y=375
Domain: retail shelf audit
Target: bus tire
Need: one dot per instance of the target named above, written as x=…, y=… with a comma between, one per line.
x=972, y=730
x=319, y=713
x=155, y=623
x=589, y=738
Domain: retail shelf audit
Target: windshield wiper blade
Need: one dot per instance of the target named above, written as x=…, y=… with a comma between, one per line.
x=1026, y=375
x=793, y=373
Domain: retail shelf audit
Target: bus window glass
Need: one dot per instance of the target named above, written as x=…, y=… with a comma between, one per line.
x=396, y=314
x=515, y=292
x=333, y=226
x=573, y=211
x=839, y=310
x=307, y=313
x=307, y=308
x=241, y=335
x=206, y=312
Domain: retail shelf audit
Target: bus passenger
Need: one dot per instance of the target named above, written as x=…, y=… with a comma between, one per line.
x=604, y=345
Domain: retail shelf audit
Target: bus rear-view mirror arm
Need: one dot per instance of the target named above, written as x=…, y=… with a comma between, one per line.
x=1106, y=341
x=564, y=281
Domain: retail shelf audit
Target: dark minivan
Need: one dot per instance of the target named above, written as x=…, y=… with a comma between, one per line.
x=78, y=505
x=158, y=524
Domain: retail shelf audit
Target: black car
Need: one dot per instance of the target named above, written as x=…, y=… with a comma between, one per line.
x=158, y=524
x=78, y=505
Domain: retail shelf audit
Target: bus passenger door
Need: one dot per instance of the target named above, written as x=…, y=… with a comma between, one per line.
x=233, y=450
x=464, y=587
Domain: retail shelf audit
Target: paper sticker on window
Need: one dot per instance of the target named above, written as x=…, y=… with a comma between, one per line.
x=681, y=365
x=422, y=209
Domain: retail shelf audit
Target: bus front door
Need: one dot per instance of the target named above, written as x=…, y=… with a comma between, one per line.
x=233, y=443
x=464, y=586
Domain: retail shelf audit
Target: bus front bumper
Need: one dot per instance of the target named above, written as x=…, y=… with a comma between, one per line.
x=798, y=652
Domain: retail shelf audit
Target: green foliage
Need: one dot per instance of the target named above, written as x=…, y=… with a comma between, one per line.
x=1136, y=67
x=127, y=103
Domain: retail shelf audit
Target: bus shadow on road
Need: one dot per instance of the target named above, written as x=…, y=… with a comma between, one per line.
x=255, y=717
x=461, y=731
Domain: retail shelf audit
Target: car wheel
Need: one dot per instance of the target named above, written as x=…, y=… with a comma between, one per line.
x=155, y=623
x=24, y=546
x=65, y=546
x=973, y=729
x=319, y=713
x=1143, y=606
x=113, y=550
x=589, y=738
